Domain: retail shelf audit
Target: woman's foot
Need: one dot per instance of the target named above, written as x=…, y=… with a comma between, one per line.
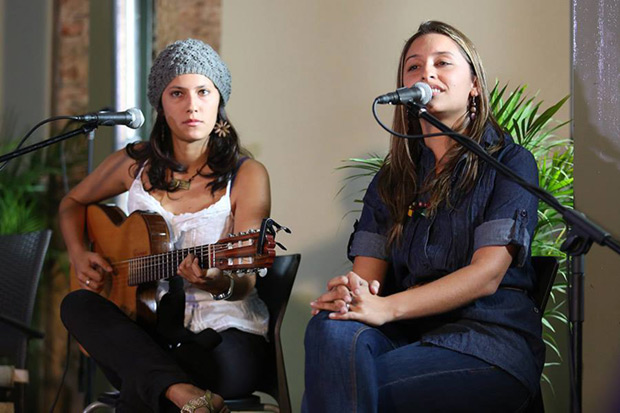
x=194, y=399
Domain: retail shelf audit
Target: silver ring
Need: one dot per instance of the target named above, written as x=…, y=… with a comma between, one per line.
x=87, y=282
x=348, y=306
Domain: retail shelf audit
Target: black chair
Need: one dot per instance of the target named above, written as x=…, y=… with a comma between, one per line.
x=21, y=261
x=546, y=269
x=274, y=289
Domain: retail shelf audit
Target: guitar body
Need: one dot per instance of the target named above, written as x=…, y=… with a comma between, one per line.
x=118, y=237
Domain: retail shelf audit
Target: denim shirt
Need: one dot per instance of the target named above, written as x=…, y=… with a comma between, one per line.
x=503, y=329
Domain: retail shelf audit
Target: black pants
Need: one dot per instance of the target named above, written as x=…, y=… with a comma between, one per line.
x=142, y=370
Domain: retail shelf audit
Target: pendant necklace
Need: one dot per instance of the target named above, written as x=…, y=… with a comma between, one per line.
x=183, y=184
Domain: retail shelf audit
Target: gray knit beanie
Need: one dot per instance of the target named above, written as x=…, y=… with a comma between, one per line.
x=182, y=57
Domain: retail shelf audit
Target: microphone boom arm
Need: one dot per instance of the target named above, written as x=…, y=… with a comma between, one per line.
x=84, y=129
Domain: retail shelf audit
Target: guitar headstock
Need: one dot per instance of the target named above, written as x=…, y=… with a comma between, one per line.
x=239, y=253
x=251, y=251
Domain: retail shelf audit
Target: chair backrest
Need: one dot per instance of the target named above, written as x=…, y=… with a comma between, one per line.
x=275, y=289
x=21, y=260
x=546, y=269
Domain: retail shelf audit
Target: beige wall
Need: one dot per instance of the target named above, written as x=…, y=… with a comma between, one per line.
x=304, y=77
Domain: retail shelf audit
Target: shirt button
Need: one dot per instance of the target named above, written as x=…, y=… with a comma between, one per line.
x=536, y=310
x=523, y=213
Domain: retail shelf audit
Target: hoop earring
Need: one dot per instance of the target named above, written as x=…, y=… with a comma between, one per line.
x=472, y=108
x=221, y=128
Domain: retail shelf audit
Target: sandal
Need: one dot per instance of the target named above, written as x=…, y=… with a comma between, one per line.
x=202, y=401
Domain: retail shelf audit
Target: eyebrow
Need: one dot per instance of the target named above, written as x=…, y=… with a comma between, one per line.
x=434, y=54
x=184, y=88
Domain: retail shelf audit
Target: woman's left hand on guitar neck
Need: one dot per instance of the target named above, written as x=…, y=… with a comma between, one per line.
x=211, y=280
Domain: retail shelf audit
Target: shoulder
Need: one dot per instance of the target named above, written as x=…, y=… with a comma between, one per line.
x=120, y=161
x=520, y=160
x=251, y=169
x=516, y=155
x=251, y=176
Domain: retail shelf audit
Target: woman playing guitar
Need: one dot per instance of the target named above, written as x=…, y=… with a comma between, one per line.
x=193, y=174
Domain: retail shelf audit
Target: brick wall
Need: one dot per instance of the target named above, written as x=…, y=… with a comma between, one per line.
x=176, y=20
x=70, y=63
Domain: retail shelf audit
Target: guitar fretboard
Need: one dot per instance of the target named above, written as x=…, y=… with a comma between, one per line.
x=161, y=266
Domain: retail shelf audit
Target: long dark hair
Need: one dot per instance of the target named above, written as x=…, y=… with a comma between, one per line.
x=223, y=154
x=397, y=182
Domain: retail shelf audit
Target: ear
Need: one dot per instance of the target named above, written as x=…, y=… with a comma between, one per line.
x=475, y=89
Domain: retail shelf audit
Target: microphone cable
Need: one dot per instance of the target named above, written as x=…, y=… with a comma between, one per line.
x=31, y=131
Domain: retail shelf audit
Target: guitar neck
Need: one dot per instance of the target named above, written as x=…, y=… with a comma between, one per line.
x=157, y=267
x=237, y=254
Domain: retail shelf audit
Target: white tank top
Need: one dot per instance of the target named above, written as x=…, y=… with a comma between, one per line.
x=199, y=228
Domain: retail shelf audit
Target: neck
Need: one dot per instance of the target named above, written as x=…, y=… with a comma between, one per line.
x=438, y=144
x=193, y=155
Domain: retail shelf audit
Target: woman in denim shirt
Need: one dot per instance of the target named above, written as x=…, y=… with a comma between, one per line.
x=435, y=315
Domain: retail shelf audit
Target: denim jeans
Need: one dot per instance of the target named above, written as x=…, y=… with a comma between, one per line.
x=352, y=367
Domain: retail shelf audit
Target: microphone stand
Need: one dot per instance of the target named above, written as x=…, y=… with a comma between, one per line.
x=582, y=233
x=85, y=129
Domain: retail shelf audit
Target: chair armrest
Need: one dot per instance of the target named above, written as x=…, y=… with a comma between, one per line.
x=21, y=327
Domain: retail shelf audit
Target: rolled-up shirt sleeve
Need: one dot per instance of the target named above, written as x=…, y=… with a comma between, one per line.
x=369, y=238
x=510, y=217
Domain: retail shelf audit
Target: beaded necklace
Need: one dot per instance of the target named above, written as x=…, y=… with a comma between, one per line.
x=417, y=209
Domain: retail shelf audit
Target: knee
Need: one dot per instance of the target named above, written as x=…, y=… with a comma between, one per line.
x=74, y=306
x=323, y=331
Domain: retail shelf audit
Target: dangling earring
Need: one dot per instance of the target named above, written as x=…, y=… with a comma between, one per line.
x=472, y=108
x=222, y=128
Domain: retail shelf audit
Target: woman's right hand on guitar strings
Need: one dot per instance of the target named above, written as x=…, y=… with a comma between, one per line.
x=90, y=269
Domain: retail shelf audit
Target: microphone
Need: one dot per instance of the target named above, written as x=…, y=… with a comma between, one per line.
x=132, y=118
x=420, y=93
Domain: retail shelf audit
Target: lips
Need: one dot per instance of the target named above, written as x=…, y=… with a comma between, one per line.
x=436, y=90
x=192, y=122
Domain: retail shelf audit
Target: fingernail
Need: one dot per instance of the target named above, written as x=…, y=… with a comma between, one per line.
x=347, y=299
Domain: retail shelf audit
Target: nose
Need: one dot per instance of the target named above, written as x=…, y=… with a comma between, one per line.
x=428, y=72
x=192, y=105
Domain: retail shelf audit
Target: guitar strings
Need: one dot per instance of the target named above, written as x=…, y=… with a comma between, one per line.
x=220, y=247
x=142, y=270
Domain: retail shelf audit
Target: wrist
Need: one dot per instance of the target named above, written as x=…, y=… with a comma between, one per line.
x=226, y=294
x=392, y=312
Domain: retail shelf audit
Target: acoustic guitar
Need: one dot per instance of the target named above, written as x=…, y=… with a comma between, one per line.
x=139, y=250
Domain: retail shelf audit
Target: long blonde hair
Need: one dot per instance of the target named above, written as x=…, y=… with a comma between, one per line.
x=397, y=182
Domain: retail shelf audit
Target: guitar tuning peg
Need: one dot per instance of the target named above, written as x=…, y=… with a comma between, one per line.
x=283, y=228
x=280, y=245
x=262, y=272
x=230, y=235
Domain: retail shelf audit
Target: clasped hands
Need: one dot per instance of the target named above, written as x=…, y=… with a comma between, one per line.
x=350, y=297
